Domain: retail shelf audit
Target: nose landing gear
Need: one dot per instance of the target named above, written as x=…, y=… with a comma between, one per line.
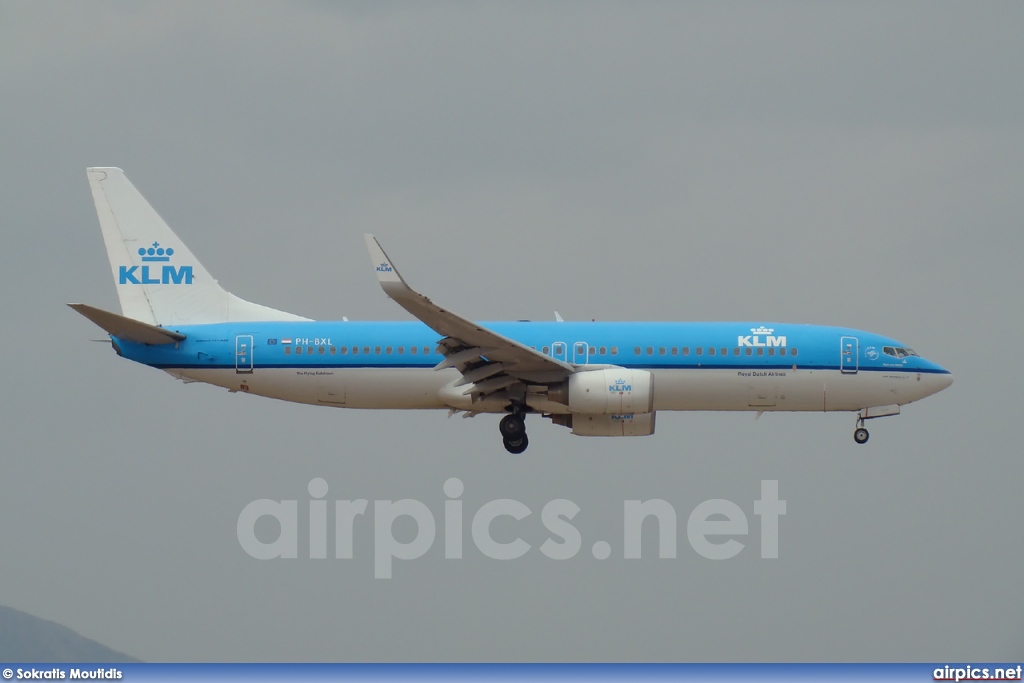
x=513, y=432
x=860, y=435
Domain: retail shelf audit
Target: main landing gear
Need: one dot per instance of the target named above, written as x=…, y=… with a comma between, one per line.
x=513, y=431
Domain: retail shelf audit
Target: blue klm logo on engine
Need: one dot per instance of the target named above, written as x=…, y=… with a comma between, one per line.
x=155, y=275
x=619, y=386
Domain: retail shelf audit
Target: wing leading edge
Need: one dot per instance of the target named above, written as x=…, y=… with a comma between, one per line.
x=489, y=362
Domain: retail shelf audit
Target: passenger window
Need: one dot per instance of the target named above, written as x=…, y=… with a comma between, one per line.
x=750, y=351
x=760, y=350
x=615, y=350
x=309, y=350
x=771, y=351
x=686, y=350
x=366, y=350
x=725, y=351
x=700, y=351
x=604, y=351
x=636, y=350
x=344, y=350
x=287, y=350
x=298, y=349
x=388, y=350
x=545, y=350
x=792, y=352
x=650, y=350
x=711, y=350
x=413, y=350
x=593, y=351
x=401, y=350
x=334, y=351
x=782, y=351
x=736, y=351
x=661, y=351
x=355, y=350
x=322, y=350
x=426, y=351
x=675, y=350
x=376, y=350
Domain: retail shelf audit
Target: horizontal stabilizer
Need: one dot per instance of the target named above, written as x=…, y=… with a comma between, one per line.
x=128, y=328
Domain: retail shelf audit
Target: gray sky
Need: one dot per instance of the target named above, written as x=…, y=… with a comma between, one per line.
x=858, y=164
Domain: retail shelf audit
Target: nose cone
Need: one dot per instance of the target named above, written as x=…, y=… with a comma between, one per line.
x=938, y=378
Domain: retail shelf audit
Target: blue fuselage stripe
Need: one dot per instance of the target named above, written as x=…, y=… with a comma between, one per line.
x=218, y=346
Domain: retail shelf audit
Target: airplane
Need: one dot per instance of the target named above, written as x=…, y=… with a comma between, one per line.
x=595, y=378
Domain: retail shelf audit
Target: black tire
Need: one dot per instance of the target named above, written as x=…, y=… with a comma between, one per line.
x=512, y=427
x=516, y=446
x=860, y=435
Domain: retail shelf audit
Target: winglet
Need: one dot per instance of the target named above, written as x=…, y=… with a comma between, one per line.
x=390, y=279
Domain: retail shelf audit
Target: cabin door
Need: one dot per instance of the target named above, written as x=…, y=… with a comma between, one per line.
x=848, y=354
x=243, y=354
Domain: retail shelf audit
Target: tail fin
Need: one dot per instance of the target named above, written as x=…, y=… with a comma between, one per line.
x=158, y=280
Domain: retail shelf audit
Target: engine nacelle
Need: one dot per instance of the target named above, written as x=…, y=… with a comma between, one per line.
x=613, y=425
x=615, y=391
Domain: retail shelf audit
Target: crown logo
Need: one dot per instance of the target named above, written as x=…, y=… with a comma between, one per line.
x=762, y=330
x=156, y=253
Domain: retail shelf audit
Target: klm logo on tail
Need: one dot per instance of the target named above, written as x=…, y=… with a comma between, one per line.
x=146, y=274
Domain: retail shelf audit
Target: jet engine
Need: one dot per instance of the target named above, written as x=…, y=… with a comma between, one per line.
x=609, y=391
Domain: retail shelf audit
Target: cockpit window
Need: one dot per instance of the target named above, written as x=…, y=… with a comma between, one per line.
x=898, y=352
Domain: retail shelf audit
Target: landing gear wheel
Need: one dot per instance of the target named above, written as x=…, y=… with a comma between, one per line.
x=512, y=427
x=860, y=435
x=517, y=445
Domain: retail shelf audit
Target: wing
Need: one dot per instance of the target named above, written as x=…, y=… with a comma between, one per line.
x=489, y=362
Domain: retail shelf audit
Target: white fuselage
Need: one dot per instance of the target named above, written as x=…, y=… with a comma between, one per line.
x=674, y=389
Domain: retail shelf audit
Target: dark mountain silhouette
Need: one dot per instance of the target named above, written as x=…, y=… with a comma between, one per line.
x=25, y=638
